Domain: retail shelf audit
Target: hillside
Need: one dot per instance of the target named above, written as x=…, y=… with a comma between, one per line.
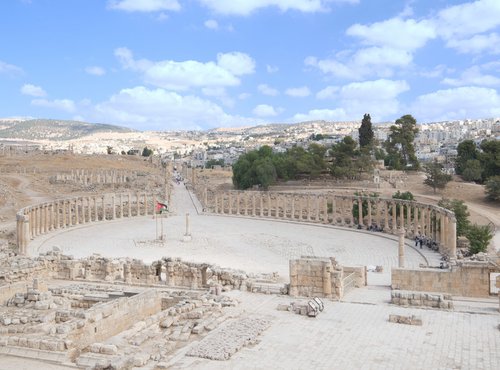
x=50, y=129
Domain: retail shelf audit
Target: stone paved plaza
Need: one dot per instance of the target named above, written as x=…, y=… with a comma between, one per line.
x=354, y=333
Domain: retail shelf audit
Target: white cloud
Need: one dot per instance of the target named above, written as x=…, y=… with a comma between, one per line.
x=237, y=63
x=60, y=104
x=246, y=7
x=457, y=103
x=158, y=109
x=329, y=92
x=264, y=110
x=267, y=90
x=473, y=76
x=33, y=90
x=298, y=92
x=271, y=69
x=220, y=94
x=337, y=114
x=244, y=96
x=395, y=33
x=436, y=71
x=211, y=24
x=95, y=70
x=144, y=5
x=174, y=75
x=9, y=68
x=373, y=90
x=477, y=44
x=378, y=61
x=464, y=20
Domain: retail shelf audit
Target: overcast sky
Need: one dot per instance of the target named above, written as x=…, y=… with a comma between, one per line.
x=185, y=64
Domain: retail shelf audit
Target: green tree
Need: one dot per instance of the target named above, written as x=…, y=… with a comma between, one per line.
x=493, y=188
x=146, y=152
x=214, y=162
x=461, y=213
x=366, y=133
x=399, y=145
x=472, y=170
x=344, y=154
x=466, y=151
x=435, y=177
x=479, y=237
x=490, y=158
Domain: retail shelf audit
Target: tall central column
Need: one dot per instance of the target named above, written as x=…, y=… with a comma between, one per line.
x=401, y=247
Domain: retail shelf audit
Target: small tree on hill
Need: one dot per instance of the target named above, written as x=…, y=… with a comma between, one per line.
x=146, y=152
x=493, y=188
x=435, y=177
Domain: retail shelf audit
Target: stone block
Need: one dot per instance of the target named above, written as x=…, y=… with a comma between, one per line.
x=108, y=349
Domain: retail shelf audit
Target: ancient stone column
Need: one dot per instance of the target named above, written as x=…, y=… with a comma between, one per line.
x=316, y=213
x=394, y=222
x=138, y=204
x=230, y=204
x=351, y=207
x=63, y=206
x=360, y=211
x=216, y=205
x=401, y=215
x=292, y=213
x=334, y=210
x=70, y=214
x=121, y=206
x=57, y=206
x=327, y=280
x=113, y=204
x=369, y=212
x=96, y=213
x=261, y=206
x=342, y=211
x=408, y=220
x=268, y=204
x=253, y=205
x=129, y=210
x=245, y=195
x=386, y=216
x=77, y=212
x=325, y=210
x=238, y=203
x=452, y=230
x=401, y=249
x=308, y=197
x=89, y=210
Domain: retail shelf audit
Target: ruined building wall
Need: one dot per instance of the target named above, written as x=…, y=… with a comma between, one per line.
x=467, y=280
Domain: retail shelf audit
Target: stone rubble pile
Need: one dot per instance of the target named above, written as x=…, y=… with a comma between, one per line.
x=226, y=341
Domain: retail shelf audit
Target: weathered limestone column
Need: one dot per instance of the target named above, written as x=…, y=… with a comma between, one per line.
x=351, y=207
x=401, y=215
x=316, y=211
x=428, y=221
x=89, y=210
x=360, y=211
x=292, y=213
x=334, y=210
x=261, y=206
x=187, y=235
x=129, y=205
x=70, y=214
x=138, y=204
x=453, y=238
x=121, y=206
x=422, y=220
x=23, y=228
x=64, y=223
x=308, y=207
x=442, y=232
x=342, y=211
x=386, y=216
x=245, y=195
x=401, y=250
x=238, y=198
x=96, y=214
x=230, y=204
x=378, y=216
x=369, y=212
x=325, y=210
x=253, y=205
x=57, y=220
x=77, y=212
x=268, y=205
x=145, y=204
x=408, y=220
x=394, y=223
x=327, y=281
x=113, y=204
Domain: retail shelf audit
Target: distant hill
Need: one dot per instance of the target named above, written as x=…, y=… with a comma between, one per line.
x=51, y=129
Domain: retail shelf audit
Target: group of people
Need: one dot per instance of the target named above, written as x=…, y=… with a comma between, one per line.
x=421, y=240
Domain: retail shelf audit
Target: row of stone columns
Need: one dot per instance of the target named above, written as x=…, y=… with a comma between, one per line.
x=387, y=214
x=43, y=218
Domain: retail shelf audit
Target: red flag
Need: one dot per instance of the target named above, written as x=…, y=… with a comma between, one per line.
x=161, y=207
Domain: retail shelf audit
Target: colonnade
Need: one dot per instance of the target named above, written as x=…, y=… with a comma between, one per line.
x=85, y=176
x=43, y=218
x=372, y=213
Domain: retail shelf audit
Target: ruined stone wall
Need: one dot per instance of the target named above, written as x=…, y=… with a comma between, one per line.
x=315, y=277
x=104, y=320
x=9, y=290
x=468, y=280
